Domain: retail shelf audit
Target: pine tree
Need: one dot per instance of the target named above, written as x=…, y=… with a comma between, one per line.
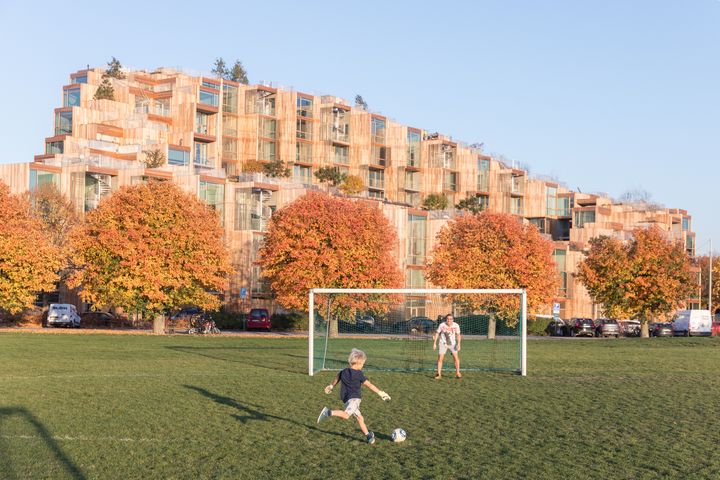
x=360, y=102
x=105, y=91
x=114, y=69
x=219, y=69
x=237, y=73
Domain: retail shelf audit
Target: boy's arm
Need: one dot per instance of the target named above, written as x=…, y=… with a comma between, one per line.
x=330, y=387
x=372, y=387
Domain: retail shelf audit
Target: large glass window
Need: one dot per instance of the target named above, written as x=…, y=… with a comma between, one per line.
x=378, y=130
x=483, y=201
x=413, y=151
x=483, y=179
x=71, y=97
x=551, y=199
x=162, y=107
x=304, y=107
x=581, y=218
x=564, y=206
x=450, y=181
x=302, y=174
x=63, y=123
x=268, y=127
x=209, y=84
x=53, y=148
x=516, y=205
x=39, y=178
x=142, y=104
x=229, y=149
x=341, y=155
x=78, y=79
x=178, y=157
x=209, y=98
x=412, y=180
x=414, y=278
x=376, y=179
x=201, y=157
x=685, y=224
x=230, y=98
x=202, y=122
x=416, y=239
x=380, y=155
x=304, y=129
x=214, y=195
x=561, y=263
x=266, y=150
x=303, y=152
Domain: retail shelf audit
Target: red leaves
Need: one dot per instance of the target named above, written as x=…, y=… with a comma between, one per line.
x=645, y=278
x=323, y=241
x=493, y=250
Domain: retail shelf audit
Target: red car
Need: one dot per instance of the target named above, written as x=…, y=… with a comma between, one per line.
x=258, y=318
x=715, y=329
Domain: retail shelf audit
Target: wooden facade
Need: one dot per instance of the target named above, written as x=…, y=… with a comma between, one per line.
x=212, y=130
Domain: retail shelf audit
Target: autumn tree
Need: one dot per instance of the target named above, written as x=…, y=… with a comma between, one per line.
x=151, y=248
x=352, y=185
x=28, y=260
x=253, y=166
x=645, y=278
x=703, y=263
x=323, y=241
x=493, y=250
x=55, y=211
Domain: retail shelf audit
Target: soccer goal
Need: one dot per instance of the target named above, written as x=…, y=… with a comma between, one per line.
x=395, y=327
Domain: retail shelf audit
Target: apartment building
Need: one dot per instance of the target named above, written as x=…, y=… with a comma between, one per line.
x=212, y=130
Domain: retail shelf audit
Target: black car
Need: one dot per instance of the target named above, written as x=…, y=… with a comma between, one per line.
x=416, y=325
x=580, y=327
x=661, y=330
x=558, y=328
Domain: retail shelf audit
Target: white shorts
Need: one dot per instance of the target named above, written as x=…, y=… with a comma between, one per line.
x=444, y=347
x=352, y=407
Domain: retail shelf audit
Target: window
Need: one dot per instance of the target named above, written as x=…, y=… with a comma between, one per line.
x=206, y=83
x=690, y=245
x=541, y=223
x=413, y=150
x=581, y=218
x=229, y=149
x=376, y=179
x=412, y=180
x=253, y=208
x=97, y=186
x=78, y=79
x=377, y=127
x=304, y=129
x=516, y=205
x=71, y=97
x=178, y=157
x=201, y=157
x=39, y=178
x=483, y=201
x=686, y=224
x=339, y=128
x=416, y=239
x=450, y=181
x=341, y=155
x=380, y=155
x=142, y=104
x=230, y=126
x=63, y=123
x=162, y=107
x=483, y=178
x=209, y=98
x=303, y=152
x=551, y=200
x=201, y=123
x=302, y=174
x=414, y=278
x=378, y=194
x=518, y=184
x=268, y=127
x=213, y=194
x=266, y=150
x=230, y=98
x=304, y=107
x=564, y=207
x=53, y=148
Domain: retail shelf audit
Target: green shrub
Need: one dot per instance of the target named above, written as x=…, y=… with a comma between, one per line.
x=289, y=321
x=538, y=326
x=229, y=320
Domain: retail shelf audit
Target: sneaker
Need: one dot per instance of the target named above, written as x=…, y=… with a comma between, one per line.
x=458, y=375
x=371, y=438
x=438, y=376
x=324, y=414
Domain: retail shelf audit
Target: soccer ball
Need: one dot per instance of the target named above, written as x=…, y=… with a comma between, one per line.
x=398, y=435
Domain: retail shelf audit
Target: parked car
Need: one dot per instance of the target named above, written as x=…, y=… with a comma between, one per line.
x=582, y=327
x=661, y=329
x=63, y=314
x=716, y=329
x=99, y=318
x=415, y=325
x=365, y=322
x=692, y=322
x=607, y=327
x=630, y=328
x=186, y=313
x=558, y=328
x=258, y=318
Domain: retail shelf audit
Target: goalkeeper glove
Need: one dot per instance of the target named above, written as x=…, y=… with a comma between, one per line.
x=384, y=395
x=329, y=389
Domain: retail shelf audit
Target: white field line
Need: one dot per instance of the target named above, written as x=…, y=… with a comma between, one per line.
x=115, y=375
x=80, y=438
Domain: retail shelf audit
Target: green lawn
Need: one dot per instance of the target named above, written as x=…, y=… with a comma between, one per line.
x=97, y=406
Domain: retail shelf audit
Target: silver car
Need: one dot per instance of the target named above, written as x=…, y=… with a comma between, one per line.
x=607, y=327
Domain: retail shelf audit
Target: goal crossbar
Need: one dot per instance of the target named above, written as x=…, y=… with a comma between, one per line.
x=419, y=291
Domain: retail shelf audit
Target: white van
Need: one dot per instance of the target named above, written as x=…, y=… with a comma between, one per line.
x=692, y=322
x=63, y=314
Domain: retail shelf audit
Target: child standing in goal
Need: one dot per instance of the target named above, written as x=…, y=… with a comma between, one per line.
x=449, y=333
x=352, y=380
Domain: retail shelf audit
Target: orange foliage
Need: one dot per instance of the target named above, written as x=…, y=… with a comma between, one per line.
x=645, y=278
x=323, y=241
x=151, y=247
x=28, y=260
x=494, y=250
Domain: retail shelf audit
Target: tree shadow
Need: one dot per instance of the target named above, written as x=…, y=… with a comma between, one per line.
x=251, y=413
x=254, y=360
x=69, y=466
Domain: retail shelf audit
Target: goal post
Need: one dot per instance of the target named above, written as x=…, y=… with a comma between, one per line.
x=395, y=327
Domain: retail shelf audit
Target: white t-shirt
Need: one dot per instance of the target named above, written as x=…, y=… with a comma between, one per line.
x=447, y=334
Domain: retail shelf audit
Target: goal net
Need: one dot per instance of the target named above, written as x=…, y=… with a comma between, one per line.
x=395, y=328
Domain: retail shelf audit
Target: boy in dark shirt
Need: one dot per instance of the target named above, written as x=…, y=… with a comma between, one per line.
x=352, y=379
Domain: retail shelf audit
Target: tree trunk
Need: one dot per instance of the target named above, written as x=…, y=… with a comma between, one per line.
x=159, y=324
x=645, y=330
x=333, y=330
x=491, y=327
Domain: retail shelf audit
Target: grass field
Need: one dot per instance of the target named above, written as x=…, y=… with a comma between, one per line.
x=115, y=406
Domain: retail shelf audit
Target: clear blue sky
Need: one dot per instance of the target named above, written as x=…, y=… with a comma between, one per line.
x=607, y=96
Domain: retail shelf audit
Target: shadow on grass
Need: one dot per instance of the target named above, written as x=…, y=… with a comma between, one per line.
x=257, y=360
x=69, y=466
x=251, y=412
